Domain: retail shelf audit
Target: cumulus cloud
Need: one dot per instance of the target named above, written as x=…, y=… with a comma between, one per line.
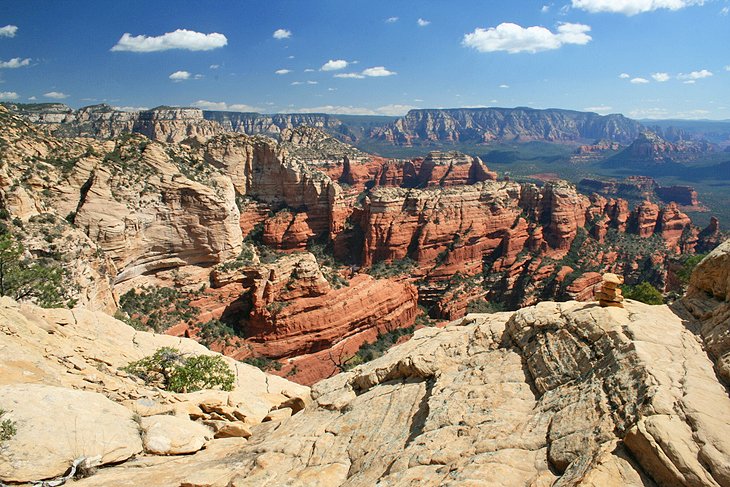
x=282, y=71
x=724, y=10
x=661, y=77
x=504, y=86
x=56, y=95
x=391, y=20
x=690, y=82
x=422, y=22
x=377, y=72
x=632, y=7
x=281, y=34
x=179, y=39
x=349, y=75
x=624, y=76
x=8, y=95
x=545, y=8
x=694, y=75
x=8, y=31
x=297, y=83
x=214, y=66
x=178, y=76
x=514, y=38
x=16, y=62
x=639, y=81
x=220, y=105
x=334, y=65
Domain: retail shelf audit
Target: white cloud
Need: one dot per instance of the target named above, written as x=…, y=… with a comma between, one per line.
x=16, y=62
x=639, y=81
x=504, y=86
x=727, y=68
x=282, y=71
x=661, y=77
x=377, y=71
x=214, y=66
x=349, y=75
x=632, y=7
x=514, y=38
x=690, y=82
x=32, y=98
x=391, y=20
x=220, y=105
x=290, y=57
x=624, y=76
x=334, y=65
x=649, y=113
x=725, y=11
x=309, y=70
x=8, y=31
x=312, y=82
x=545, y=8
x=178, y=76
x=297, y=83
x=8, y=95
x=56, y=95
x=282, y=34
x=702, y=73
x=179, y=39
x=422, y=22
x=599, y=109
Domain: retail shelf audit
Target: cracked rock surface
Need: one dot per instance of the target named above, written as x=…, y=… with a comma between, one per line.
x=554, y=394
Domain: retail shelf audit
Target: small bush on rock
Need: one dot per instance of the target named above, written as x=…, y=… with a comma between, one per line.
x=7, y=427
x=168, y=368
x=644, y=292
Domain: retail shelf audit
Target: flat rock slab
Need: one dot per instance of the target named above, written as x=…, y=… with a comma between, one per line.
x=56, y=425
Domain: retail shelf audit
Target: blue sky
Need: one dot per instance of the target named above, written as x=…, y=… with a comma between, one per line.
x=643, y=58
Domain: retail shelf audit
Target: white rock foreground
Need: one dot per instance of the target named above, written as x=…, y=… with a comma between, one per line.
x=554, y=394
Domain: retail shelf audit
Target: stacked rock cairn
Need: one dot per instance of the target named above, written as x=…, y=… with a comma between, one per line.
x=610, y=293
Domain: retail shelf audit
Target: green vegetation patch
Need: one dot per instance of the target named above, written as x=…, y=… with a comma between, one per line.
x=644, y=292
x=376, y=349
x=155, y=308
x=7, y=427
x=170, y=369
x=399, y=267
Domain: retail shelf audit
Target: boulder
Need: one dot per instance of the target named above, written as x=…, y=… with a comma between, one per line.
x=172, y=435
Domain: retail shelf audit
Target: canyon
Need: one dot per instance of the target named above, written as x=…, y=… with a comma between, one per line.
x=304, y=248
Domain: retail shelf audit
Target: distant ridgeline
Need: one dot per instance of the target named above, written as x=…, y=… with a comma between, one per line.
x=428, y=127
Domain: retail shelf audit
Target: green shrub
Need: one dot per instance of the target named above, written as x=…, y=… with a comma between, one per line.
x=382, y=269
x=216, y=331
x=170, y=369
x=7, y=427
x=21, y=278
x=644, y=292
x=483, y=306
x=688, y=265
x=263, y=363
x=161, y=307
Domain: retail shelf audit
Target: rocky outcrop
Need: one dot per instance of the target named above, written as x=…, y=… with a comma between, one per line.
x=505, y=124
x=450, y=169
x=165, y=124
x=62, y=386
x=682, y=195
x=650, y=149
x=562, y=393
x=708, y=301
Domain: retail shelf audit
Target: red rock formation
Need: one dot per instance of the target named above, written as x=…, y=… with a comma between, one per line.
x=565, y=211
x=451, y=169
x=288, y=231
x=671, y=225
x=710, y=237
x=296, y=312
x=585, y=286
x=646, y=216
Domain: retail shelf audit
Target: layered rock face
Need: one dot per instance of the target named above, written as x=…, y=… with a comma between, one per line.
x=564, y=393
x=146, y=205
x=166, y=124
x=62, y=388
x=505, y=124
